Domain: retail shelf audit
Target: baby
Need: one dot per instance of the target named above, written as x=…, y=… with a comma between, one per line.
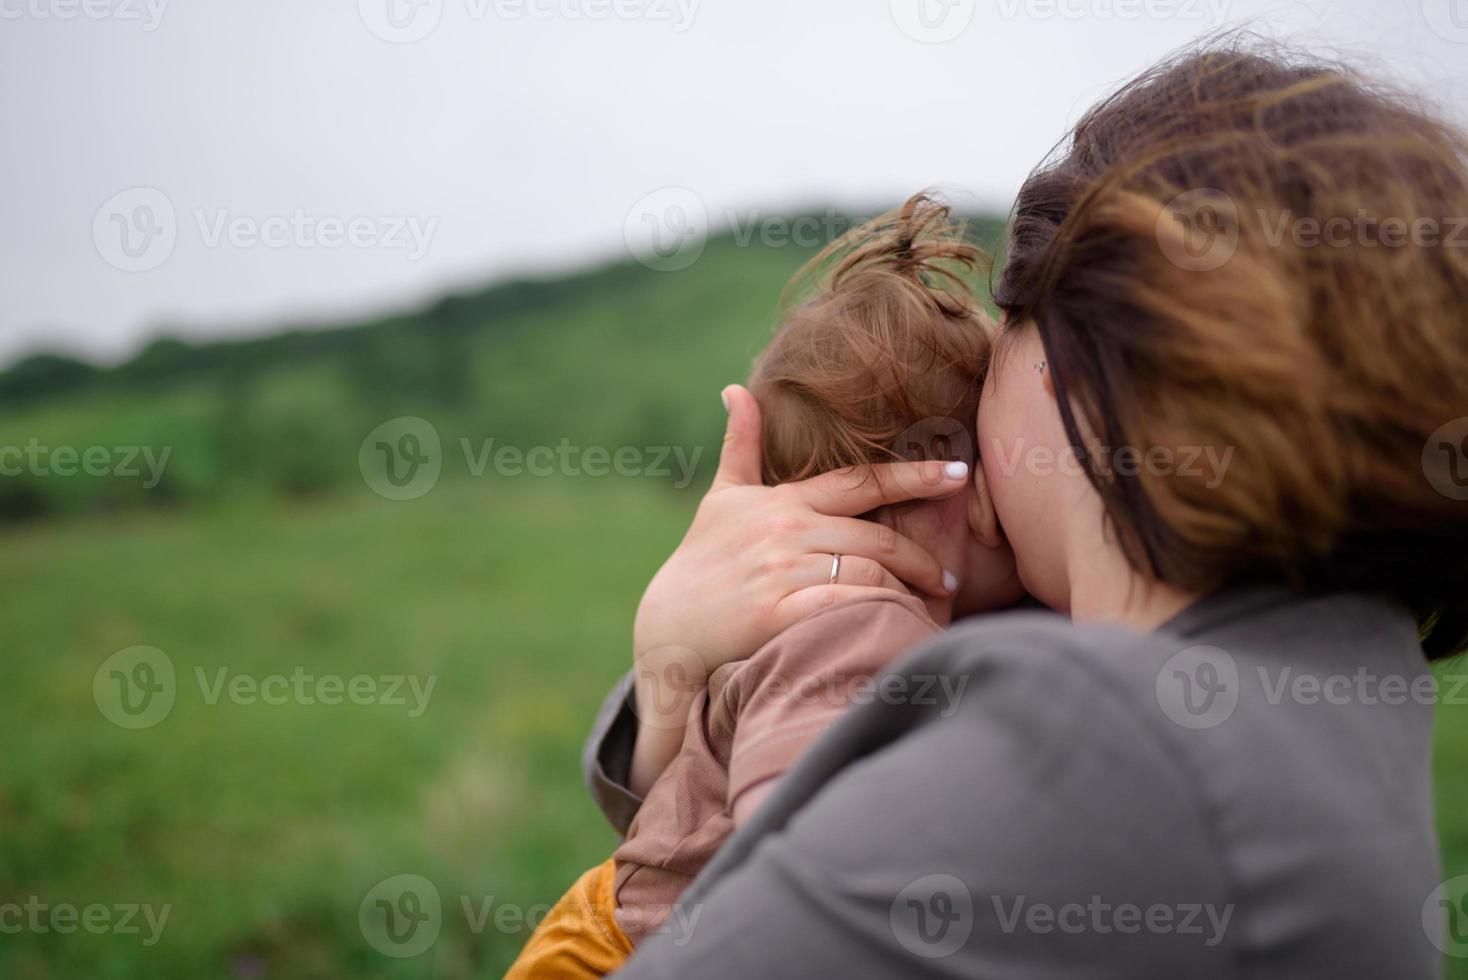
x=880, y=359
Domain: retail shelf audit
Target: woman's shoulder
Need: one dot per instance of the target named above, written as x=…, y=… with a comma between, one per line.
x=1080, y=690
x=1299, y=728
x=1233, y=676
x=1045, y=648
x=1262, y=655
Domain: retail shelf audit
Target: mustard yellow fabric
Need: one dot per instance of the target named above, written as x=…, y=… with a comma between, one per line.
x=579, y=937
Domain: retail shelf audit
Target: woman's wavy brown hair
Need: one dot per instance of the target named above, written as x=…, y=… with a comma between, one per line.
x=1252, y=249
x=878, y=351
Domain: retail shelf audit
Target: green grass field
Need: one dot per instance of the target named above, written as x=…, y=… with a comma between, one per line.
x=261, y=552
x=264, y=826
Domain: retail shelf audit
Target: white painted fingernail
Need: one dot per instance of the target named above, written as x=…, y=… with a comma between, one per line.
x=950, y=581
x=955, y=471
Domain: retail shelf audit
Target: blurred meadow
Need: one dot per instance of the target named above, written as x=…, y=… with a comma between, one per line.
x=263, y=551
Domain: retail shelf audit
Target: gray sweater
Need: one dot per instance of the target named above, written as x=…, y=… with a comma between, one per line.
x=1244, y=793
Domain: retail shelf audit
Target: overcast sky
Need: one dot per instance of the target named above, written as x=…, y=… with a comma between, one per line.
x=202, y=167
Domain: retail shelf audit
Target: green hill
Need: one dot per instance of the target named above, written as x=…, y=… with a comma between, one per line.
x=623, y=356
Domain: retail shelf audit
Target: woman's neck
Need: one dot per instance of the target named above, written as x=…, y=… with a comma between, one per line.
x=1105, y=588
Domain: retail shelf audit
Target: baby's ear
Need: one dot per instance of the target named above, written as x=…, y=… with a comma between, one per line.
x=982, y=518
x=941, y=526
x=953, y=512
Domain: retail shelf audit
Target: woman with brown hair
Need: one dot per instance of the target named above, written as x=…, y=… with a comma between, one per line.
x=1223, y=430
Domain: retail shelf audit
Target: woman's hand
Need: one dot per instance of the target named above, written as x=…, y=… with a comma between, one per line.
x=756, y=559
